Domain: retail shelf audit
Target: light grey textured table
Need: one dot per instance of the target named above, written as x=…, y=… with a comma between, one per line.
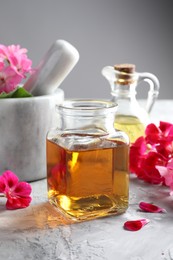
x=39, y=232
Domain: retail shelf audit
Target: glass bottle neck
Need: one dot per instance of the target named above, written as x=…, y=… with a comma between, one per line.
x=87, y=116
x=123, y=91
x=94, y=125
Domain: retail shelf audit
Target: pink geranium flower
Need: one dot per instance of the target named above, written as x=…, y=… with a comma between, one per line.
x=14, y=66
x=151, y=156
x=16, y=192
x=19, y=60
x=9, y=79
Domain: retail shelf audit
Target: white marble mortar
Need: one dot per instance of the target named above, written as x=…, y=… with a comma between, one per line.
x=24, y=123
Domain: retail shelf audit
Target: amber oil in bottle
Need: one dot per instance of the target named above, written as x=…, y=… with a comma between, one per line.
x=87, y=166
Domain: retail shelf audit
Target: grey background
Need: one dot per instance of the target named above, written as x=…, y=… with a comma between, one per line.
x=105, y=32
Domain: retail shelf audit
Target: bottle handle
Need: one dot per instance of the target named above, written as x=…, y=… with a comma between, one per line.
x=154, y=88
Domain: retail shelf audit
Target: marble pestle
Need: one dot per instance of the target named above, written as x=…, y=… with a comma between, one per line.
x=52, y=69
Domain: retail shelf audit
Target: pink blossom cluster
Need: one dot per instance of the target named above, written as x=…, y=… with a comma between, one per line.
x=16, y=192
x=151, y=157
x=14, y=66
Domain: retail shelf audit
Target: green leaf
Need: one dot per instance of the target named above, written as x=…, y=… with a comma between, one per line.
x=6, y=95
x=20, y=92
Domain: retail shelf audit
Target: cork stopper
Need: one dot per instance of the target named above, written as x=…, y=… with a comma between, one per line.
x=126, y=73
x=127, y=68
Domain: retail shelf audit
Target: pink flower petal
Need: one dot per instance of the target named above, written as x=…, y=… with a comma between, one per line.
x=165, y=127
x=17, y=203
x=167, y=173
x=10, y=178
x=135, y=225
x=152, y=134
x=2, y=184
x=151, y=208
x=170, y=164
x=22, y=189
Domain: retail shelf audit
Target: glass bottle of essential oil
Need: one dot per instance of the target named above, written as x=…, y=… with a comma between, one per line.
x=130, y=116
x=87, y=161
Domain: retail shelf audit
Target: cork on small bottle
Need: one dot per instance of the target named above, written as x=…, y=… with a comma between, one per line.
x=127, y=68
x=126, y=73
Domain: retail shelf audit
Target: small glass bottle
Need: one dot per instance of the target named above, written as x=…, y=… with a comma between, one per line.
x=87, y=161
x=131, y=117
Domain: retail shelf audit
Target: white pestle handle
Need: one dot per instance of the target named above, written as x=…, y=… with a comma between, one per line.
x=53, y=69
